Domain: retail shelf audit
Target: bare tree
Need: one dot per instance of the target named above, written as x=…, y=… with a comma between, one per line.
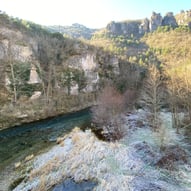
x=106, y=115
x=11, y=65
x=3, y=89
x=130, y=97
x=186, y=87
x=173, y=98
x=153, y=92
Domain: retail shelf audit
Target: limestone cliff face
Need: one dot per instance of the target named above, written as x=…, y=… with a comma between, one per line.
x=124, y=28
x=89, y=63
x=45, y=74
x=13, y=44
x=90, y=68
x=34, y=76
x=155, y=21
x=83, y=60
x=48, y=54
x=20, y=52
x=141, y=27
x=169, y=20
x=144, y=26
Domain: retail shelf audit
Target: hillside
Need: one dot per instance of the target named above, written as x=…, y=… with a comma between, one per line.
x=167, y=48
x=74, y=31
x=135, y=77
x=173, y=51
x=45, y=74
x=170, y=46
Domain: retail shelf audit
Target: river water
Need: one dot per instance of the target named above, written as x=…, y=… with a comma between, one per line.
x=18, y=142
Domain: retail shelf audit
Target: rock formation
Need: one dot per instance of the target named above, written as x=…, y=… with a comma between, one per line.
x=144, y=27
x=169, y=20
x=124, y=28
x=155, y=21
x=54, y=72
x=34, y=77
x=89, y=64
x=147, y=25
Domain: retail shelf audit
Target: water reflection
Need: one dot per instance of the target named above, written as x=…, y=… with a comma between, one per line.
x=20, y=141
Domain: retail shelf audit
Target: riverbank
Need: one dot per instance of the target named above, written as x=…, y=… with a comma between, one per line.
x=19, y=142
x=134, y=163
x=33, y=111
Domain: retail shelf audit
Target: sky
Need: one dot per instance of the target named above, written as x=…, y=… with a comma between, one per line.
x=91, y=13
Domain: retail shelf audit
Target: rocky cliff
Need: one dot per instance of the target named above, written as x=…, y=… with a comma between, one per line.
x=127, y=28
x=44, y=74
x=140, y=27
x=169, y=20
x=155, y=21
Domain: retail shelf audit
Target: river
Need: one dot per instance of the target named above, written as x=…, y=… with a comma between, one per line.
x=18, y=142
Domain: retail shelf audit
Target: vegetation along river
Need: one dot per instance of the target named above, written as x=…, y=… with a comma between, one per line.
x=18, y=142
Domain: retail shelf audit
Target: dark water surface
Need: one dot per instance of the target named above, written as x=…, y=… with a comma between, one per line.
x=18, y=142
x=70, y=185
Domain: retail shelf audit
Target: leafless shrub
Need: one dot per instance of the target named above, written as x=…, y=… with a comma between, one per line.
x=106, y=115
x=171, y=156
x=130, y=96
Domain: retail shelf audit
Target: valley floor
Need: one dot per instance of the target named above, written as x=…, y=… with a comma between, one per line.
x=135, y=163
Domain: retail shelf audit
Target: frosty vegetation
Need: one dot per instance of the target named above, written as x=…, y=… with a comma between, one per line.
x=136, y=162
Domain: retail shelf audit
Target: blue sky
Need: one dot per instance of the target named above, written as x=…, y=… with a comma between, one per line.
x=91, y=13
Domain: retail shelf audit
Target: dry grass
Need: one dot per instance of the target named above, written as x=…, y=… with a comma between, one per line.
x=113, y=165
x=52, y=165
x=89, y=159
x=42, y=185
x=59, y=140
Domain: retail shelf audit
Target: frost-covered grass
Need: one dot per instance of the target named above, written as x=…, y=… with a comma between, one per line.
x=125, y=165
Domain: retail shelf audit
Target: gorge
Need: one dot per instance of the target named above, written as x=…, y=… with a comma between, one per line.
x=135, y=77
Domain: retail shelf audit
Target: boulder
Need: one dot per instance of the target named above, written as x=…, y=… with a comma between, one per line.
x=36, y=95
